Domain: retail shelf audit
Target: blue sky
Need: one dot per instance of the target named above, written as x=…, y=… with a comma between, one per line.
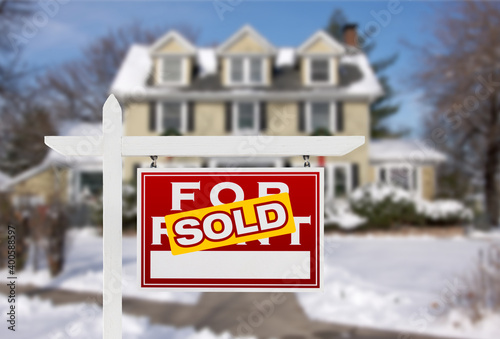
x=284, y=23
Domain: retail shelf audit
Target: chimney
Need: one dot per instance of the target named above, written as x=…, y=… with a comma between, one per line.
x=350, y=34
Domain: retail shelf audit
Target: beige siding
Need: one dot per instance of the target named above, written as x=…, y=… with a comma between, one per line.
x=49, y=184
x=303, y=71
x=209, y=119
x=372, y=174
x=137, y=120
x=428, y=182
x=246, y=44
x=282, y=118
x=319, y=46
x=172, y=46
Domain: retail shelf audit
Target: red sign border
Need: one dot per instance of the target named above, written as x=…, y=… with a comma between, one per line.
x=317, y=286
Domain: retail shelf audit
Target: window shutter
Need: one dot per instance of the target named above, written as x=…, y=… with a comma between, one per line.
x=263, y=116
x=152, y=116
x=340, y=117
x=190, y=116
x=302, y=117
x=229, y=117
x=382, y=175
x=355, y=176
x=415, y=178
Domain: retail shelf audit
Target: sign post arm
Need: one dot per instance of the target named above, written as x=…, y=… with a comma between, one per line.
x=112, y=219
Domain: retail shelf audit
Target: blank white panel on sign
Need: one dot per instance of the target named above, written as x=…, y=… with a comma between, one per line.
x=223, y=264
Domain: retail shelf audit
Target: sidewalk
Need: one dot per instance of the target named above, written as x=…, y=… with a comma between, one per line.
x=240, y=313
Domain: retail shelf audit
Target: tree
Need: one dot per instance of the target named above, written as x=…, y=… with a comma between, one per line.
x=460, y=79
x=383, y=107
x=77, y=89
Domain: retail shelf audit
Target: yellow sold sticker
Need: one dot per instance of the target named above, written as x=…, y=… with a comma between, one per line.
x=230, y=224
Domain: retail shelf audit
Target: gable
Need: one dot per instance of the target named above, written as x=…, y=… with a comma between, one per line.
x=173, y=46
x=172, y=42
x=321, y=43
x=320, y=46
x=246, y=44
x=246, y=40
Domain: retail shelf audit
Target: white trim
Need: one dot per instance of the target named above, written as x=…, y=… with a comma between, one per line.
x=332, y=127
x=159, y=115
x=184, y=71
x=327, y=38
x=235, y=117
x=246, y=81
x=247, y=29
x=309, y=81
x=191, y=49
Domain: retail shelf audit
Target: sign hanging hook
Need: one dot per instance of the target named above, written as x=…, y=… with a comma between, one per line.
x=306, y=161
x=154, y=158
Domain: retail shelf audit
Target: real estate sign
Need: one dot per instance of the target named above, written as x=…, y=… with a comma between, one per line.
x=230, y=229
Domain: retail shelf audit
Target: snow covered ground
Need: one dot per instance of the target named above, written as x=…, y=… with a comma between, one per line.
x=398, y=283
x=83, y=270
x=385, y=282
x=41, y=319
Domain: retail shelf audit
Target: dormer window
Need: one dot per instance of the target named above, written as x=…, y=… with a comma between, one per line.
x=246, y=70
x=171, y=70
x=320, y=70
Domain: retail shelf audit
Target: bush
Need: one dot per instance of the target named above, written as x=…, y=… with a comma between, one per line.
x=386, y=206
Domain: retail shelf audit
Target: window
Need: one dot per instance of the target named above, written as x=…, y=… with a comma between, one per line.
x=91, y=182
x=256, y=70
x=320, y=115
x=339, y=180
x=237, y=70
x=245, y=117
x=319, y=70
x=171, y=116
x=400, y=175
x=171, y=70
x=246, y=71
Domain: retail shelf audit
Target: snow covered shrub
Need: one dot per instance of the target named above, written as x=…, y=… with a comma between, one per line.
x=385, y=206
x=444, y=212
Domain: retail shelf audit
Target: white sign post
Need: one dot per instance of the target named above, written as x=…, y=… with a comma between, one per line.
x=113, y=145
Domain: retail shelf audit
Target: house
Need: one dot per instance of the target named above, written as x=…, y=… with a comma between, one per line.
x=70, y=180
x=248, y=86
x=245, y=86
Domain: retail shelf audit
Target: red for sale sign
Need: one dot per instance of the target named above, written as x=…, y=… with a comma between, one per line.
x=247, y=229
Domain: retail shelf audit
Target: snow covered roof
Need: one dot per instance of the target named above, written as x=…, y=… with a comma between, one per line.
x=357, y=79
x=286, y=57
x=401, y=150
x=53, y=158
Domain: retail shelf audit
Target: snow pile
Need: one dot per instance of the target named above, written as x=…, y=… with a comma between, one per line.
x=286, y=57
x=42, y=319
x=207, y=60
x=83, y=270
x=339, y=214
x=133, y=73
